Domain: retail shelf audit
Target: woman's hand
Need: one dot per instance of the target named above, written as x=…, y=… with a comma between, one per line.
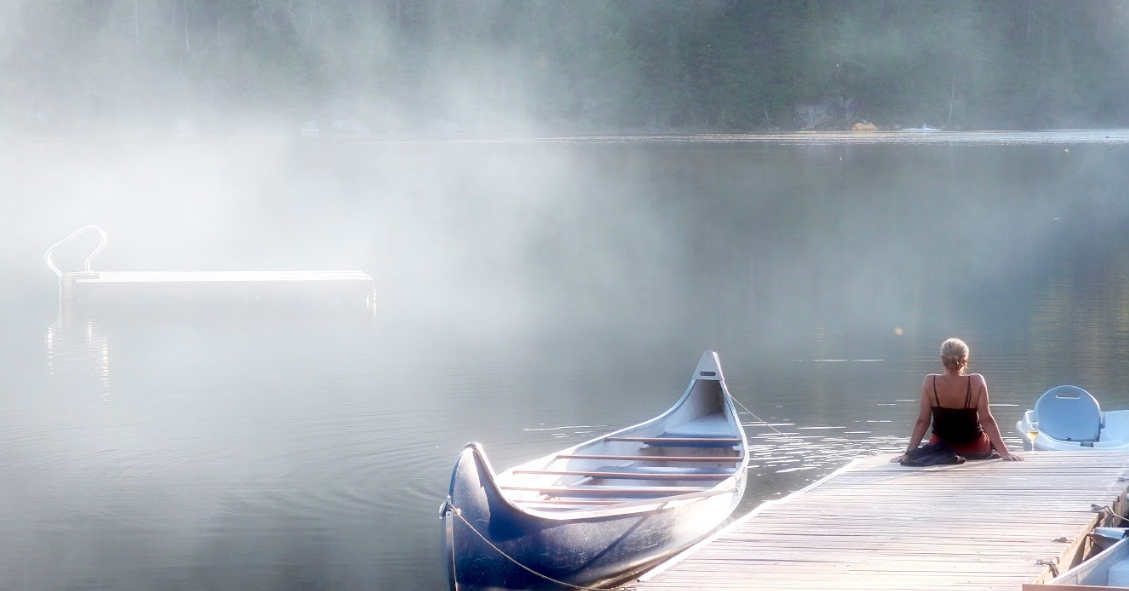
x=898, y=458
x=1010, y=457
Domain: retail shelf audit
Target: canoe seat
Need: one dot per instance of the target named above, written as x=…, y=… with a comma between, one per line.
x=652, y=458
x=714, y=425
x=664, y=441
x=670, y=471
x=604, y=490
x=566, y=504
x=656, y=473
x=1069, y=413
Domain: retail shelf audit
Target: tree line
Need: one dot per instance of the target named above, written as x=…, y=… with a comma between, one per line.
x=567, y=65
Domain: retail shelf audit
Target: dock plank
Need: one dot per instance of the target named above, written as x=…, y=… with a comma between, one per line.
x=878, y=525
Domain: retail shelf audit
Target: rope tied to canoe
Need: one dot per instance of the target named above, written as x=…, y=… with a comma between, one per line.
x=766, y=423
x=449, y=507
x=1106, y=510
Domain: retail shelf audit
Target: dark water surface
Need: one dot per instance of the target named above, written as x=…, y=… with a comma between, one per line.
x=532, y=295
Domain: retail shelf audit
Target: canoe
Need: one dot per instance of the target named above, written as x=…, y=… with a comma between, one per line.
x=1070, y=418
x=602, y=512
x=1106, y=569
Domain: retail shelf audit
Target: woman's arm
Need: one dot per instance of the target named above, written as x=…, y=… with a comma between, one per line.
x=988, y=422
x=924, y=417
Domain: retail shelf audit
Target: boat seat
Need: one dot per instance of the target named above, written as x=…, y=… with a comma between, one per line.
x=652, y=458
x=715, y=425
x=568, y=504
x=665, y=441
x=641, y=473
x=598, y=490
x=671, y=471
x=1069, y=413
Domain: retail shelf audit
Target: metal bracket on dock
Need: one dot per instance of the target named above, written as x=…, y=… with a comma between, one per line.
x=1051, y=564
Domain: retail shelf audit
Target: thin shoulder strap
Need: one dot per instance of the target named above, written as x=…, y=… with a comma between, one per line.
x=968, y=396
x=937, y=401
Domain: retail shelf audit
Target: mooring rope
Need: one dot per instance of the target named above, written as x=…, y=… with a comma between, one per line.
x=1107, y=511
x=458, y=513
x=766, y=423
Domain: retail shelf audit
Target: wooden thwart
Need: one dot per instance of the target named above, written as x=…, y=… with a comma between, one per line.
x=629, y=475
x=679, y=440
x=567, y=502
x=643, y=458
x=607, y=490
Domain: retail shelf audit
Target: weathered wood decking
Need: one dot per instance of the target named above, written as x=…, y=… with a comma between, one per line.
x=878, y=525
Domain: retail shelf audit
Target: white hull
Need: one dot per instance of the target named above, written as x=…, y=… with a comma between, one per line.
x=1114, y=434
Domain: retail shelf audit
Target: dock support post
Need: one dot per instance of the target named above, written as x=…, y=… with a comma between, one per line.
x=66, y=298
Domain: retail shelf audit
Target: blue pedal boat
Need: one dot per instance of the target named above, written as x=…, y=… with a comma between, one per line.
x=1069, y=418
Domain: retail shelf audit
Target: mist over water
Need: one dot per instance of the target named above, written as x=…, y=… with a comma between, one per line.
x=531, y=294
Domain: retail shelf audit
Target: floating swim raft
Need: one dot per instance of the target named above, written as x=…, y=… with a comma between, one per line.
x=90, y=289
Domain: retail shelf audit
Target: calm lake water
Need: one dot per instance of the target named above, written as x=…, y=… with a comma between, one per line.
x=531, y=295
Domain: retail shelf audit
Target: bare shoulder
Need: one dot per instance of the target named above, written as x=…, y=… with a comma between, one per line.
x=978, y=380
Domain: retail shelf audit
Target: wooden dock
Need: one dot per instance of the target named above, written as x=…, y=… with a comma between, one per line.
x=878, y=525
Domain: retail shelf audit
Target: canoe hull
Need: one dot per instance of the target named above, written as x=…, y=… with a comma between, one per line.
x=593, y=551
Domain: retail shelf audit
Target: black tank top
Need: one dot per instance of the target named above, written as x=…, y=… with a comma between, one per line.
x=956, y=425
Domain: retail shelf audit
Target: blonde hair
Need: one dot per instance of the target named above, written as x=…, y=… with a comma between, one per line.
x=954, y=354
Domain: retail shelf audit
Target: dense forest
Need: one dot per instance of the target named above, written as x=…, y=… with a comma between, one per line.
x=511, y=66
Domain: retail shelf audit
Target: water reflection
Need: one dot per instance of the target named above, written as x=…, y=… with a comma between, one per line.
x=78, y=351
x=237, y=455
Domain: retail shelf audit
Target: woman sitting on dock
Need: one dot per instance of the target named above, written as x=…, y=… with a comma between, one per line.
x=957, y=404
